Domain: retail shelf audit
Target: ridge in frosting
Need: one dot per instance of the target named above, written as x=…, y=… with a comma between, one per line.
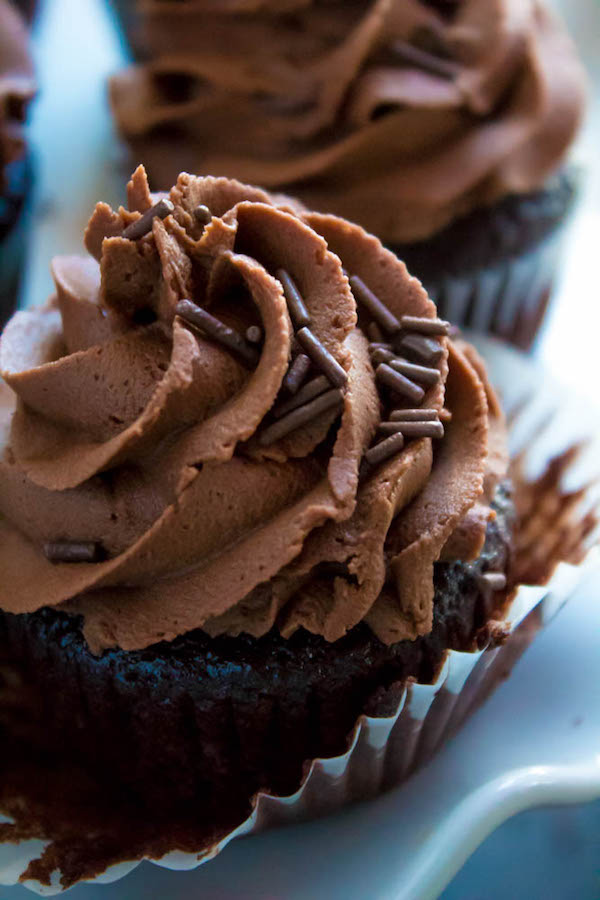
x=146, y=480
x=401, y=115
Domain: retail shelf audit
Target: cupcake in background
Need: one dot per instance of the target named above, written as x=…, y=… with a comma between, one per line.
x=440, y=127
x=27, y=8
x=17, y=87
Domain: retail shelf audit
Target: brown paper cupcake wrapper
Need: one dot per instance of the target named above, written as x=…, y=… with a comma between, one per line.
x=384, y=751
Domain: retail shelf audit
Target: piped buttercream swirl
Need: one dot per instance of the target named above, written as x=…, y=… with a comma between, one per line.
x=124, y=426
x=328, y=101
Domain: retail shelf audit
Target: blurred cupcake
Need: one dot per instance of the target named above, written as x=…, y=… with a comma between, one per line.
x=27, y=8
x=436, y=126
x=250, y=491
x=17, y=87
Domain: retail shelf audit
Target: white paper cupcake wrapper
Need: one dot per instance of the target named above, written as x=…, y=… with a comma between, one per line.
x=382, y=752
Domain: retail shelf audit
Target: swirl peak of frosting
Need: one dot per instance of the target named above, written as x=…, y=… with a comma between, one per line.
x=398, y=114
x=126, y=428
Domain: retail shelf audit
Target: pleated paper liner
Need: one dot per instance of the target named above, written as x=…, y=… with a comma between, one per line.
x=556, y=489
x=505, y=289
x=508, y=299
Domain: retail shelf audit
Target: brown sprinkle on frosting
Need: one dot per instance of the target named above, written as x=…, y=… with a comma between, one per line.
x=424, y=325
x=414, y=415
x=373, y=305
x=202, y=214
x=321, y=357
x=143, y=225
x=374, y=332
x=427, y=350
x=382, y=356
x=73, y=551
x=311, y=389
x=422, y=374
x=254, y=334
x=301, y=416
x=494, y=580
x=296, y=373
x=379, y=345
x=419, y=429
x=298, y=311
x=217, y=330
x=399, y=383
x=382, y=451
x=389, y=428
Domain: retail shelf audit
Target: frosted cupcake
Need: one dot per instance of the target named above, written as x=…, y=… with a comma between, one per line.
x=249, y=488
x=442, y=128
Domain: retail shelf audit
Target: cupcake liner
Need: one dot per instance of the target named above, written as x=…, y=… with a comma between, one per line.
x=508, y=299
x=383, y=750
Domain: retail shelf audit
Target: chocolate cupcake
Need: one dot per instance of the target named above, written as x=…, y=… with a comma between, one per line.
x=27, y=8
x=438, y=127
x=17, y=88
x=250, y=492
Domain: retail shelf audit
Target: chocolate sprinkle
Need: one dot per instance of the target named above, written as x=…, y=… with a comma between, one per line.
x=298, y=311
x=296, y=373
x=421, y=59
x=254, y=334
x=421, y=374
x=202, y=214
x=373, y=305
x=419, y=429
x=321, y=357
x=382, y=356
x=495, y=580
x=311, y=389
x=382, y=451
x=379, y=345
x=424, y=325
x=214, y=328
x=399, y=383
x=414, y=415
x=389, y=428
x=301, y=416
x=427, y=350
x=374, y=332
x=143, y=225
x=73, y=551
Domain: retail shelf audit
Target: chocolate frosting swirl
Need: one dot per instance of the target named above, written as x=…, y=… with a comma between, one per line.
x=328, y=100
x=17, y=85
x=124, y=426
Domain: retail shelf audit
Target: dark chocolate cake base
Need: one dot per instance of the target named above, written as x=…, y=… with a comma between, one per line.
x=493, y=270
x=194, y=728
